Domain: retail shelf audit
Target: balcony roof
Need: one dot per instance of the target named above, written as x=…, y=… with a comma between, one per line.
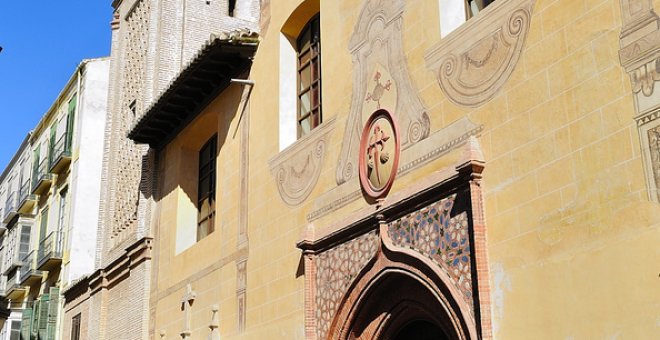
x=206, y=76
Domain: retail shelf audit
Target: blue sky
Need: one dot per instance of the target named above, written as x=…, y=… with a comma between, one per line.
x=43, y=41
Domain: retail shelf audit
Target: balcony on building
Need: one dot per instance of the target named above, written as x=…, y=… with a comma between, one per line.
x=3, y=286
x=50, y=251
x=29, y=272
x=10, y=207
x=14, y=290
x=26, y=200
x=41, y=179
x=61, y=155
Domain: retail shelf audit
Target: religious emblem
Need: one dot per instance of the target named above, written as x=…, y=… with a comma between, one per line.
x=379, y=89
x=379, y=154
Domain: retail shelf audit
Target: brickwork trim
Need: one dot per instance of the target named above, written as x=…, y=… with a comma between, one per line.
x=120, y=268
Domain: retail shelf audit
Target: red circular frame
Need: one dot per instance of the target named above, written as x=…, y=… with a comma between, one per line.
x=364, y=140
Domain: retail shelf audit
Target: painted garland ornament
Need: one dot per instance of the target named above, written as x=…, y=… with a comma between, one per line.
x=380, y=147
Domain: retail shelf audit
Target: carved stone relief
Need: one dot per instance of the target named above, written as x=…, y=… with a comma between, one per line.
x=297, y=168
x=381, y=80
x=473, y=62
x=640, y=57
x=439, y=222
x=435, y=146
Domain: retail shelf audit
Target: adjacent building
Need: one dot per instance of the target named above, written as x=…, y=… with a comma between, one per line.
x=51, y=193
x=15, y=239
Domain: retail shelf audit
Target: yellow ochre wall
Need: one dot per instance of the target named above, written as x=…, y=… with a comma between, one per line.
x=573, y=239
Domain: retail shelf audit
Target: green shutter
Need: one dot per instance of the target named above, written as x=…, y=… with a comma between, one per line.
x=69, y=121
x=53, y=309
x=43, y=315
x=35, y=166
x=35, y=320
x=25, y=324
x=51, y=147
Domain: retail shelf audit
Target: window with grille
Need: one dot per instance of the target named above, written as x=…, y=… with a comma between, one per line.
x=309, y=77
x=206, y=189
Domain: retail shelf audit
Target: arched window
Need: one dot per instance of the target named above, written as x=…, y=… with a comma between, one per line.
x=309, y=77
x=300, y=73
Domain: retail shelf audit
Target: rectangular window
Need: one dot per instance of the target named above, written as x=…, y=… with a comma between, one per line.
x=232, y=7
x=309, y=77
x=206, y=189
x=43, y=227
x=75, y=327
x=15, y=330
x=24, y=244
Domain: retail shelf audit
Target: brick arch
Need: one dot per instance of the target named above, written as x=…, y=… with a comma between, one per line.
x=396, y=288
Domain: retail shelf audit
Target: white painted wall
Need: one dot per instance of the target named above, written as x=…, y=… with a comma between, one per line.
x=85, y=189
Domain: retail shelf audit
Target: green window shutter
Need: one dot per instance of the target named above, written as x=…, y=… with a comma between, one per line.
x=70, y=120
x=34, y=320
x=35, y=166
x=51, y=146
x=25, y=324
x=53, y=309
x=43, y=315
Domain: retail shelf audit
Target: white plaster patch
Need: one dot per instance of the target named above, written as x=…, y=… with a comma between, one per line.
x=452, y=15
x=502, y=284
x=287, y=95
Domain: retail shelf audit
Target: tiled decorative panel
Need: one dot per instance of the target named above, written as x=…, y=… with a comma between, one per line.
x=336, y=270
x=441, y=237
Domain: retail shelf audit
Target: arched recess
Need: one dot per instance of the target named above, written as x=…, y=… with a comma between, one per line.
x=395, y=289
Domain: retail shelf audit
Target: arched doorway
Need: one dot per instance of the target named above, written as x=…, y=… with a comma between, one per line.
x=398, y=300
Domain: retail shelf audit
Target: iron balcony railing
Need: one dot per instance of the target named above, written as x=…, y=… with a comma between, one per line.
x=13, y=280
x=10, y=205
x=40, y=173
x=24, y=192
x=60, y=149
x=50, y=248
x=29, y=267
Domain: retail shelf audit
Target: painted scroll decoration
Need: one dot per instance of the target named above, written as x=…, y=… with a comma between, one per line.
x=381, y=80
x=472, y=63
x=640, y=57
x=297, y=168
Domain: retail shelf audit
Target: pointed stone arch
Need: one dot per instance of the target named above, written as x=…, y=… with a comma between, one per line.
x=396, y=288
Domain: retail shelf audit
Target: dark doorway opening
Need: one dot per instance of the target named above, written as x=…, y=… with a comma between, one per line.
x=421, y=330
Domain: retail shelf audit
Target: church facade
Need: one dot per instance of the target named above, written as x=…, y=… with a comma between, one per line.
x=367, y=169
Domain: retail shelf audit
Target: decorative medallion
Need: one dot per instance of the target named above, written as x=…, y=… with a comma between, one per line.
x=379, y=154
x=380, y=80
x=473, y=62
